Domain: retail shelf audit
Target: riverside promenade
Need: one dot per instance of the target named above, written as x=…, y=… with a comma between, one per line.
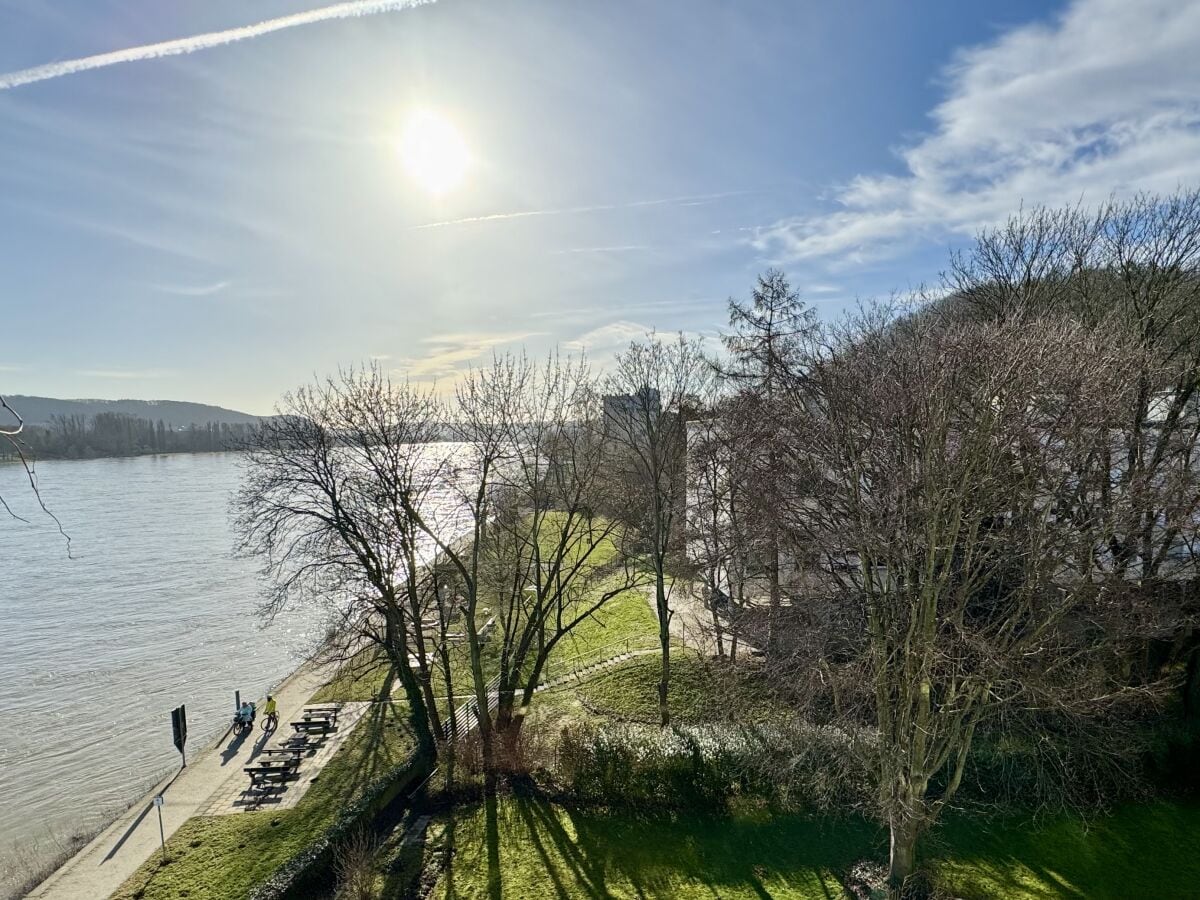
x=111, y=857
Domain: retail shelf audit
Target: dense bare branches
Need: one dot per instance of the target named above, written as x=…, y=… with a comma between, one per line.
x=946, y=476
x=331, y=503
x=655, y=388
x=1133, y=266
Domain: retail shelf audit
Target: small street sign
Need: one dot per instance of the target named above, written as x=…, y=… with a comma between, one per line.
x=162, y=838
x=179, y=728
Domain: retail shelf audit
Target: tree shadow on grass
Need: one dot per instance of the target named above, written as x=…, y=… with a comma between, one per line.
x=539, y=818
x=494, y=882
x=1139, y=850
x=373, y=749
x=564, y=852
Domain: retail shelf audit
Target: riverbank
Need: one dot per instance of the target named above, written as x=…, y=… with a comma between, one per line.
x=150, y=610
x=113, y=856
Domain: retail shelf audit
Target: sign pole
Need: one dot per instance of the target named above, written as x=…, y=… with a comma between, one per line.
x=158, y=804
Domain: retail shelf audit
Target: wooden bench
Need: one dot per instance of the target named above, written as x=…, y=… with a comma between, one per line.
x=313, y=726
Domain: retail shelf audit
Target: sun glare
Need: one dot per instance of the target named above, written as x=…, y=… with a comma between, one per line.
x=433, y=152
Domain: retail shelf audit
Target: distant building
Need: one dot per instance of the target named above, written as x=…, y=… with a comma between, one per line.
x=623, y=409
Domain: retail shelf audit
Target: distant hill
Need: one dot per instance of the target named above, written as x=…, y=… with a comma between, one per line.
x=173, y=413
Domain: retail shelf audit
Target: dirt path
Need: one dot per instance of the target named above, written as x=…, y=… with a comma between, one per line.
x=691, y=622
x=116, y=853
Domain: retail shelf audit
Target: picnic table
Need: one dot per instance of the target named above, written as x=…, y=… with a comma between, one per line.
x=309, y=725
x=269, y=771
x=291, y=752
x=316, y=712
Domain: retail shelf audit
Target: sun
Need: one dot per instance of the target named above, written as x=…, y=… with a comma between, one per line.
x=433, y=152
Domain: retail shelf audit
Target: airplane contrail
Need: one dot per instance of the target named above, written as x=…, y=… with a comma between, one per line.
x=693, y=200
x=178, y=46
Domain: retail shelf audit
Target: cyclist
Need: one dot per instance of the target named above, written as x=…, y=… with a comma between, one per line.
x=270, y=715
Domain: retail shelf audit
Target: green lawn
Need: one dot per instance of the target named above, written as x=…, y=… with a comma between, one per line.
x=1150, y=850
x=365, y=677
x=698, y=691
x=537, y=849
x=625, y=621
x=224, y=857
x=540, y=850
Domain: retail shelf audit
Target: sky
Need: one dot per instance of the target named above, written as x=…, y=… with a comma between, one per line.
x=225, y=222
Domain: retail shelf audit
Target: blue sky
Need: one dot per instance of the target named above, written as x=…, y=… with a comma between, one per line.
x=221, y=225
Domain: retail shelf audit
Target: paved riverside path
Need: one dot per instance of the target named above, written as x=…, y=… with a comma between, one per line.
x=108, y=860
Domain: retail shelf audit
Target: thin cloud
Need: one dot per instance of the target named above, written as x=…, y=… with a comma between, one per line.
x=619, y=248
x=205, y=41
x=579, y=210
x=124, y=374
x=448, y=353
x=1101, y=100
x=190, y=290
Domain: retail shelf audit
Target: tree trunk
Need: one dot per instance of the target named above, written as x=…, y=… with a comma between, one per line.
x=664, y=638
x=904, y=831
x=418, y=714
x=775, y=595
x=718, y=632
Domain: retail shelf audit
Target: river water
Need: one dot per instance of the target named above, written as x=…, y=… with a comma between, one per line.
x=151, y=610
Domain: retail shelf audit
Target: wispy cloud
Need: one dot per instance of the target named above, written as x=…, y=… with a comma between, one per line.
x=448, y=353
x=204, y=41
x=613, y=336
x=579, y=210
x=192, y=290
x=125, y=374
x=618, y=248
x=1104, y=99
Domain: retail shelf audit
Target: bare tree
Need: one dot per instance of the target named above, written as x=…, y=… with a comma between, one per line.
x=1133, y=265
x=946, y=473
x=11, y=434
x=721, y=517
x=329, y=504
x=655, y=387
x=551, y=561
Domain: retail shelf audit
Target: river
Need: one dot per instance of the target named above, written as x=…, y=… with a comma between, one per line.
x=150, y=610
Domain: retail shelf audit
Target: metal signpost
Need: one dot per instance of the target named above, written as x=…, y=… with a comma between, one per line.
x=158, y=804
x=179, y=729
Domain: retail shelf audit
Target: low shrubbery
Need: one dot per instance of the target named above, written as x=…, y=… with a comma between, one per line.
x=706, y=767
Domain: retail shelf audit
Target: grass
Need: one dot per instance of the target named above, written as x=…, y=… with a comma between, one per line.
x=1150, y=850
x=625, y=621
x=224, y=857
x=530, y=848
x=533, y=848
x=365, y=677
x=698, y=692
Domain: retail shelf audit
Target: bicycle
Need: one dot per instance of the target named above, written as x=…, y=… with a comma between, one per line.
x=270, y=722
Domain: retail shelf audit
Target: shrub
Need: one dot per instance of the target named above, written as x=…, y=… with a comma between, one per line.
x=706, y=767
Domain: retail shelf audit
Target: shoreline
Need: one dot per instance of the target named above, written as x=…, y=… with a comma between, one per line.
x=74, y=877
